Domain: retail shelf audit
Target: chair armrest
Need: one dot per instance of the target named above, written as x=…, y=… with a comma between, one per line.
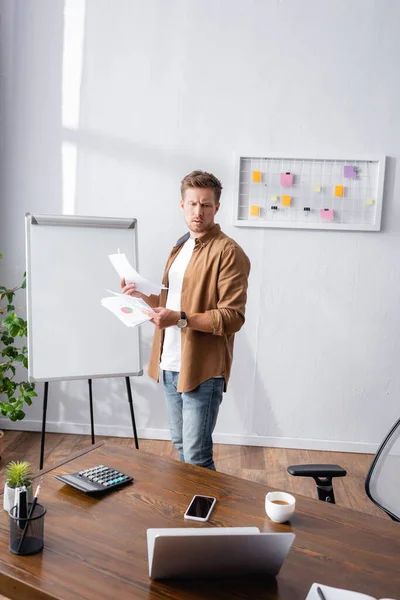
x=317, y=471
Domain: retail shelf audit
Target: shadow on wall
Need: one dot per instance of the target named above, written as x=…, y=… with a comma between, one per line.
x=31, y=97
x=247, y=400
x=127, y=150
x=388, y=208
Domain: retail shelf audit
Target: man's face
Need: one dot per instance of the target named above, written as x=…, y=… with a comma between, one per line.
x=199, y=209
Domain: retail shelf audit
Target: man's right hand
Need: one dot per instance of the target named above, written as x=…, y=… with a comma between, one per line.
x=130, y=290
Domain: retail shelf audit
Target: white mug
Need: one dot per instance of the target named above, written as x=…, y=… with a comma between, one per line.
x=279, y=513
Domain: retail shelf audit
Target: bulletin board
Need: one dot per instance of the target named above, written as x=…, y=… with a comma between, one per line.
x=309, y=193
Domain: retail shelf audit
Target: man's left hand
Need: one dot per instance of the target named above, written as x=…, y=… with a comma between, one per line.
x=163, y=317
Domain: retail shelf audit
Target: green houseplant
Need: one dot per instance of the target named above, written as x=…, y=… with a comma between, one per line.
x=13, y=394
x=17, y=474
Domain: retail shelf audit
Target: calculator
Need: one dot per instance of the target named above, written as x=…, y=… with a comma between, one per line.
x=96, y=479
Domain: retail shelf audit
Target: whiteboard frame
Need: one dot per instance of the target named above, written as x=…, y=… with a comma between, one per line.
x=379, y=158
x=73, y=221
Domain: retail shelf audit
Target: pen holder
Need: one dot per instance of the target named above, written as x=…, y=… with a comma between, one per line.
x=26, y=535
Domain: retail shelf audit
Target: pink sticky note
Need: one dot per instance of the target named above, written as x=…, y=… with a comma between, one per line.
x=287, y=179
x=326, y=214
x=350, y=172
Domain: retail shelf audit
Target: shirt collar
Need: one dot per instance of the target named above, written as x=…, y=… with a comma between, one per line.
x=202, y=241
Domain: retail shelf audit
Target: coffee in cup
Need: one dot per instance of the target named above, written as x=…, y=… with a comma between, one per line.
x=279, y=506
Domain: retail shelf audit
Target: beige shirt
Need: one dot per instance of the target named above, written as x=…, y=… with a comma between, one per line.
x=215, y=283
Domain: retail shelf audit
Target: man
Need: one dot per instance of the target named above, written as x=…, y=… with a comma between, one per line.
x=196, y=319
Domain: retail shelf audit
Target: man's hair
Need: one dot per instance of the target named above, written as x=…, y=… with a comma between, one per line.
x=202, y=179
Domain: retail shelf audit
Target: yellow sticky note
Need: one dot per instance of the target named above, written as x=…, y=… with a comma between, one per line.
x=370, y=201
x=339, y=189
x=257, y=176
x=317, y=188
x=286, y=200
x=274, y=198
x=254, y=210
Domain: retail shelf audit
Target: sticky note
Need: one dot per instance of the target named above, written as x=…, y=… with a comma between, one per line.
x=274, y=198
x=317, y=188
x=339, y=189
x=326, y=214
x=370, y=201
x=286, y=179
x=254, y=210
x=257, y=176
x=286, y=200
x=350, y=172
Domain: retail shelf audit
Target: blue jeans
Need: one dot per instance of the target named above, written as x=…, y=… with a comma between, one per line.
x=192, y=417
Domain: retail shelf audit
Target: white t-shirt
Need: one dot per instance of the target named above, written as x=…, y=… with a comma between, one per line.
x=171, y=354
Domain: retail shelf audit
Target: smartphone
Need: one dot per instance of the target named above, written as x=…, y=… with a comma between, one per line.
x=200, y=508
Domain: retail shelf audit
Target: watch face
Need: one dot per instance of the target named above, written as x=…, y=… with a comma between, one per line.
x=181, y=323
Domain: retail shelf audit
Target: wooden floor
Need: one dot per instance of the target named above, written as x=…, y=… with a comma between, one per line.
x=264, y=465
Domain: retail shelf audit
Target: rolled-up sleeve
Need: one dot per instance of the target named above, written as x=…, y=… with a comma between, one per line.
x=233, y=275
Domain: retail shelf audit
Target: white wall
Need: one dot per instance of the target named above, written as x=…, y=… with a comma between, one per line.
x=168, y=87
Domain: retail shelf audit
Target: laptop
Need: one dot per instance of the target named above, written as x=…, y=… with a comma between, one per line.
x=183, y=553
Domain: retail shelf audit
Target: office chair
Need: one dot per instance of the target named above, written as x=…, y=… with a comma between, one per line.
x=382, y=484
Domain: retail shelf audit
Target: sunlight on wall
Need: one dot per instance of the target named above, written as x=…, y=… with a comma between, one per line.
x=74, y=34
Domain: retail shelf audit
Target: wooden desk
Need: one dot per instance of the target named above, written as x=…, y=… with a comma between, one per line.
x=95, y=549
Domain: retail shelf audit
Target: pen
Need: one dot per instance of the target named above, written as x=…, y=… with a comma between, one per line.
x=22, y=507
x=320, y=593
x=21, y=541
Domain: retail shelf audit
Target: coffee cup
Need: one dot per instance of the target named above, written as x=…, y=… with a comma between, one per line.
x=279, y=506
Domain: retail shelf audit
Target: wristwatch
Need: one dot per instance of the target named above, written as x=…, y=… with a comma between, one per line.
x=182, y=321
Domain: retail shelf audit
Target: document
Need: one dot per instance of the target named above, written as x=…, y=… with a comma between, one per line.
x=332, y=593
x=127, y=309
x=125, y=270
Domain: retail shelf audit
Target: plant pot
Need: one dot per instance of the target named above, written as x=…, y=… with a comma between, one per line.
x=9, y=496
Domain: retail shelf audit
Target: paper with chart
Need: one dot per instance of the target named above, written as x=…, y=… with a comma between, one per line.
x=127, y=309
x=332, y=593
x=126, y=271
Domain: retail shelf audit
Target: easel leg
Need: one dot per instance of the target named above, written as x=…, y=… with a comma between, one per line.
x=128, y=389
x=91, y=409
x=46, y=392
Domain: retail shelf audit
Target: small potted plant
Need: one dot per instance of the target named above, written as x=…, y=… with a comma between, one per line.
x=17, y=474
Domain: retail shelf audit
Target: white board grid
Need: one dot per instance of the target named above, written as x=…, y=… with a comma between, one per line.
x=359, y=208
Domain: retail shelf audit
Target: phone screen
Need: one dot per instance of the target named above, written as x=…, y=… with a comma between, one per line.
x=200, y=506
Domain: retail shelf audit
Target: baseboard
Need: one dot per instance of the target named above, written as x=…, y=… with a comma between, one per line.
x=219, y=438
x=296, y=443
x=84, y=429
